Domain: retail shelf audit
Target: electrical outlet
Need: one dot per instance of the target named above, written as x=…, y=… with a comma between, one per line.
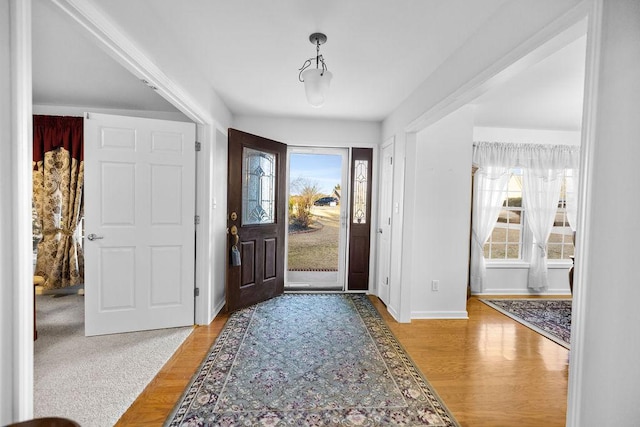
x=435, y=285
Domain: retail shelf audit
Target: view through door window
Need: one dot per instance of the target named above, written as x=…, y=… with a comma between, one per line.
x=315, y=226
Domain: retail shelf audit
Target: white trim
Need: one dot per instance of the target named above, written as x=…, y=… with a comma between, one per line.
x=589, y=120
x=497, y=291
x=551, y=264
x=519, y=264
x=389, y=142
x=393, y=313
x=21, y=176
x=69, y=110
x=202, y=269
x=559, y=264
x=439, y=315
x=218, y=308
x=406, y=223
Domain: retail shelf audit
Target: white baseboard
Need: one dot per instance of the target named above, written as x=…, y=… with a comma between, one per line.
x=520, y=292
x=217, y=309
x=439, y=315
x=393, y=313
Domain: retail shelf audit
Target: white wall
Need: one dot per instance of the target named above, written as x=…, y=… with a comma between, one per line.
x=604, y=376
x=438, y=211
x=308, y=132
x=509, y=278
x=68, y=110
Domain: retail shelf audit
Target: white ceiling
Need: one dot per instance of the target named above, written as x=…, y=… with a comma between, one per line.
x=249, y=52
x=70, y=70
x=546, y=95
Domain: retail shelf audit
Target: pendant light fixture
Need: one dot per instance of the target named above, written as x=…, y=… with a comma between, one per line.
x=316, y=80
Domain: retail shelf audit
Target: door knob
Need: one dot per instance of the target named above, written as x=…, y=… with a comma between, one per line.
x=93, y=237
x=234, y=233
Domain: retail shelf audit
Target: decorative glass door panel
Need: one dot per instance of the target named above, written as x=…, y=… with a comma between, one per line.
x=258, y=187
x=360, y=193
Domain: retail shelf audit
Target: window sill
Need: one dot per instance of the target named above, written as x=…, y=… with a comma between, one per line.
x=507, y=264
x=564, y=264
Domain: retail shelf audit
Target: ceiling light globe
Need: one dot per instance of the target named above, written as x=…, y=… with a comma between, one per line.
x=316, y=85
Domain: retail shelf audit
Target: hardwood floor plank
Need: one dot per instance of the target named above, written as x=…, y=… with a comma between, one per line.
x=489, y=370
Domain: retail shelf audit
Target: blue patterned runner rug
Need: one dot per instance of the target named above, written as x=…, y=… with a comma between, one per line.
x=549, y=317
x=309, y=360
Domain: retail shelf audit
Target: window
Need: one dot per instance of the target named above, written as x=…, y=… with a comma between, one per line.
x=509, y=233
x=560, y=244
x=258, y=187
x=505, y=241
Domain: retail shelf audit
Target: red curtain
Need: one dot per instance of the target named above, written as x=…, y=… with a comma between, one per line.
x=53, y=132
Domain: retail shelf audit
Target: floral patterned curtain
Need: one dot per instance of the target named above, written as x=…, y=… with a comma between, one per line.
x=58, y=178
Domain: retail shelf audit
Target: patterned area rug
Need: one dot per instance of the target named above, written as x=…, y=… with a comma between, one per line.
x=309, y=360
x=549, y=317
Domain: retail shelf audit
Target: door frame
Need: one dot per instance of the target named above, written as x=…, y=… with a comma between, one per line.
x=16, y=303
x=389, y=143
x=19, y=390
x=343, y=263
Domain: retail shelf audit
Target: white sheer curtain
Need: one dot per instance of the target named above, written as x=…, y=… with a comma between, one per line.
x=489, y=192
x=571, y=186
x=544, y=167
x=494, y=160
x=540, y=194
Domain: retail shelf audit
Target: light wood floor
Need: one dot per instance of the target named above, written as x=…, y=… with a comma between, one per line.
x=489, y=370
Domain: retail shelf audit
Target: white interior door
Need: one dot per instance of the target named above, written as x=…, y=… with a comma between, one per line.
x=139, y=223
x=384, y=218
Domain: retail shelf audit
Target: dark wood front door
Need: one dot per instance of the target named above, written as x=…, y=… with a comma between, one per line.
x=257, y=219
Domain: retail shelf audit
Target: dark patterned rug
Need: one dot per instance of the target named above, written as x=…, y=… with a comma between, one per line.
x=309, y=360
x=549, y=317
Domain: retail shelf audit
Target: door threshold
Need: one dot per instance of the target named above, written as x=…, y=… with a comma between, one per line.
x=308, y=288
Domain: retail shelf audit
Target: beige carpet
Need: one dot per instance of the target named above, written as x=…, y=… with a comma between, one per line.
x=92, y=380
